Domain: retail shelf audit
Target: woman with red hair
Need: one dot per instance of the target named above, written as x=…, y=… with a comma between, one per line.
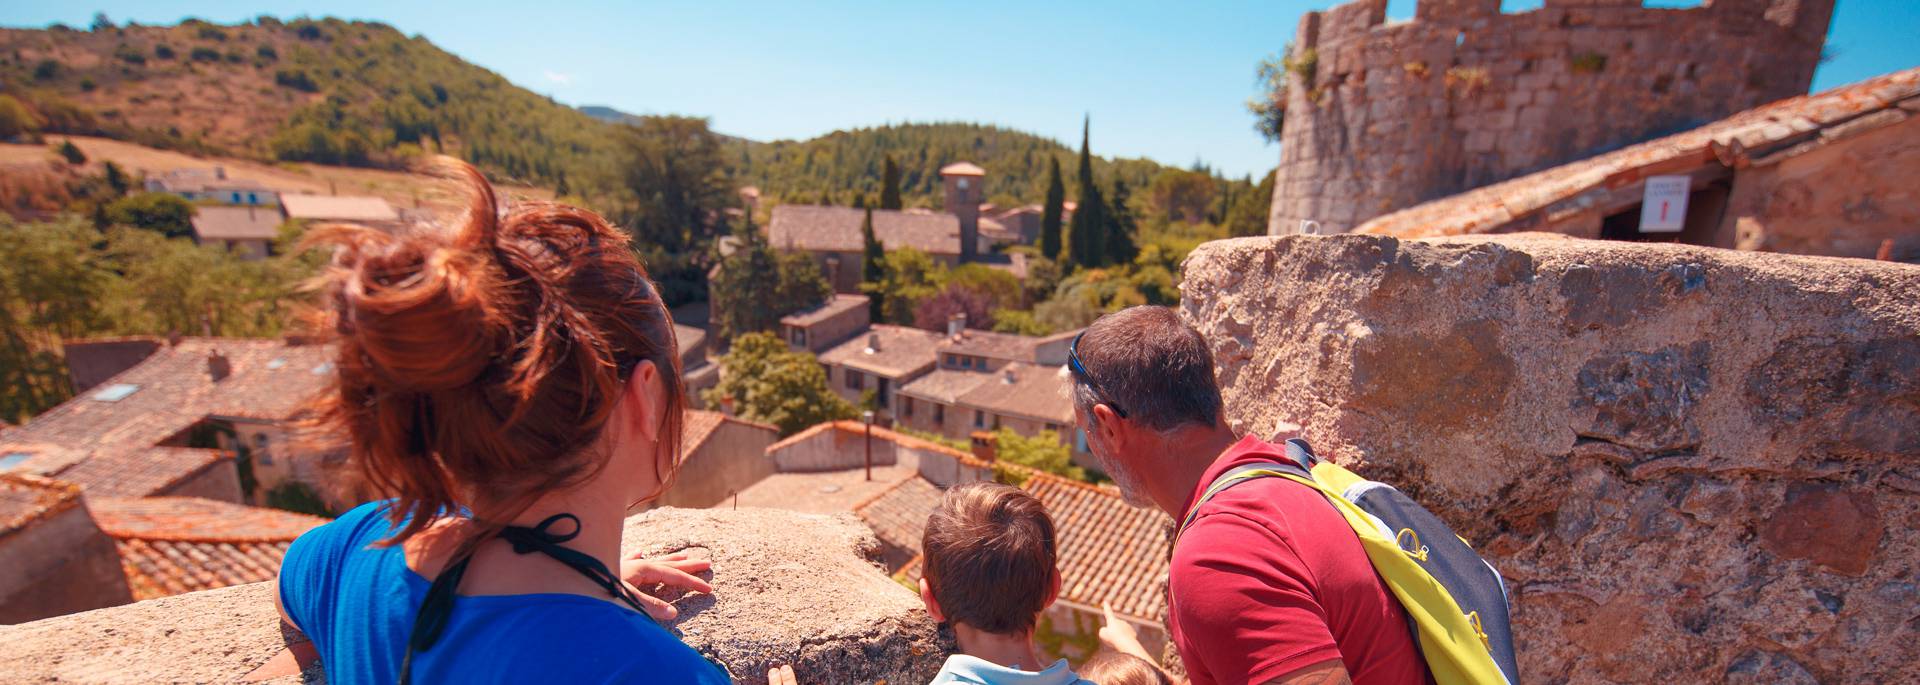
x=510, y=386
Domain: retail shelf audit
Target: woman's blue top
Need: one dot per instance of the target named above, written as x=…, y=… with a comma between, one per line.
x=357, y=603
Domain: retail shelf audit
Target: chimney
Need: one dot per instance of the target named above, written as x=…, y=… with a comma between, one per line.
x=956, y=323
x=985, y=445
x=218, y=367
x=1006, y=376
x=873, y=343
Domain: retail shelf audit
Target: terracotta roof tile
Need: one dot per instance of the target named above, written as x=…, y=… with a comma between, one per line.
x=121, y=421
x=140, y=473
x=839, y=304
x=338, y=208
x=903, y=351
x=26, y=498
x=945, y=385
x=837, y=229
x=1028, y=390
x=236, y=223
x=171, y=545
x=1788, y=126
x=1109, y=552
x=898, y=516
x=1007, y=346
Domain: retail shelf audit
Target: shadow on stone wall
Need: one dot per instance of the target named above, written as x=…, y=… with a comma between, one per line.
x=789, y=588
x=1692, y=465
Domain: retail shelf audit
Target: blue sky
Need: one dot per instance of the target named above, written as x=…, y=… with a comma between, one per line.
x=1165, y=80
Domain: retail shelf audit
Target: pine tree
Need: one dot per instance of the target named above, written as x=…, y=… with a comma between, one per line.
x=873, y=263
x=1085, y=245
x=560, y=189
x=1050, y=215
x=1120, y=226
x=890, y=185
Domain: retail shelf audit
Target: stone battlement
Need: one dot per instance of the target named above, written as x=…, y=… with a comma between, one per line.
x=810, y=596
x=1382, y=116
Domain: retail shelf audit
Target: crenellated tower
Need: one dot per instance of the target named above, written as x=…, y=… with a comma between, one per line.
x=1382, y=116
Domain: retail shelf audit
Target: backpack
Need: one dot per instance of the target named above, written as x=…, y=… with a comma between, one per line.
x=1455, y=601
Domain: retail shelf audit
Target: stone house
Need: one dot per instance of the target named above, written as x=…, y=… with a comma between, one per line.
x=53, y=558
x=1824, y=174
x=952, y=236
x=816, y=330
x=724, y=455
x=986, y=381
x=246, y=230
x=212, y=186
x=883, y=360
x=697, y=371
x=174, y=422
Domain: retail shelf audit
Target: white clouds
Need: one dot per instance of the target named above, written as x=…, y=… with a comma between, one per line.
x=561, y=78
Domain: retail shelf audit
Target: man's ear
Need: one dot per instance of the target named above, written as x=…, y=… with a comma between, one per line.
x=647, y=392
x=1108, y=425
x=933, y=605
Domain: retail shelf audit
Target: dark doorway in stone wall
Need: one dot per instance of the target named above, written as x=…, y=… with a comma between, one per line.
x=1705, y=207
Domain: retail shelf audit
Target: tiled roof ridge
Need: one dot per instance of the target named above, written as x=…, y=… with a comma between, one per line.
x=67, y=494
x=219, y=456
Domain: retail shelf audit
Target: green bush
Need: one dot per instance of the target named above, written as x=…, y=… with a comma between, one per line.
x=168, y=214
x=46, y=70
x=130, y=54
x=296, y=496
x=203, y=53
x=296, y=79
x=17, y=119
x=70, y=152
x=266, y=52
x=163, y=51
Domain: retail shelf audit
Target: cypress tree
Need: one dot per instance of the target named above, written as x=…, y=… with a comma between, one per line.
x=1120, y=226
x=873, y=263
x=1050, y=215
x=1085, y=245
x=890, y=185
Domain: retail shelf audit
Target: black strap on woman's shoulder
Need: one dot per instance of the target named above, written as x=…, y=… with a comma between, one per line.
x=437, y=609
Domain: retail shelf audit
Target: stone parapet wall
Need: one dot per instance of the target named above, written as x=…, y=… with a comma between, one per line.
x=789, y=588
x=1691, y=464
x=1388, y=115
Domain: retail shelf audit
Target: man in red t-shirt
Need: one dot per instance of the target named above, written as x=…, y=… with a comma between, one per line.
x=1268, y=584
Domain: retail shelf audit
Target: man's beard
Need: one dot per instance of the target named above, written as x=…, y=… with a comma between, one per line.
x=1124, y=479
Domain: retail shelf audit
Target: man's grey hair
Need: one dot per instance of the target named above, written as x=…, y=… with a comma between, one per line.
x=1147, y=363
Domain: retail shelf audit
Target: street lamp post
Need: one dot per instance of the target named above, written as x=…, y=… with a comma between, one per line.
x=868, y=415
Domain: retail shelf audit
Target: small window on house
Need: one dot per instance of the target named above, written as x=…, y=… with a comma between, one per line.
x=854, y=379
x=1053, y=428
x=979, y=419
x=115, y=392
x=906, y=406
x=996, y=422
x=939, y=413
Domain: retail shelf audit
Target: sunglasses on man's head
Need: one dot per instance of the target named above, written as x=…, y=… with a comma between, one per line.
x=1079, y=369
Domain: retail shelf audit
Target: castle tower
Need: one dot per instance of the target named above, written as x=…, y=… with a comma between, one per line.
x=1381, y=117
x=964, y=192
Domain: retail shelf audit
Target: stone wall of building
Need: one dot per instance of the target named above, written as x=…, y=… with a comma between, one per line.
x=1384, y=116
x=731, y=459
x=59, y=564
x=1691, y=464
x=811, y=596
x=831, y=447
x=1844, y=199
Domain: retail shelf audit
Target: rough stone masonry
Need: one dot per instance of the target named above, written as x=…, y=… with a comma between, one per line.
x=1692, y=465
x=789, y=588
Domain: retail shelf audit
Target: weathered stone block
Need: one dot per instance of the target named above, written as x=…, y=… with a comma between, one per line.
x=1692, y=465
x=789, y=588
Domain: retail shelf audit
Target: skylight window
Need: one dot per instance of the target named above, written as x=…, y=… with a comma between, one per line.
x=12, y=459
x=276, y=362
x=115, y=392
x=323, y=369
